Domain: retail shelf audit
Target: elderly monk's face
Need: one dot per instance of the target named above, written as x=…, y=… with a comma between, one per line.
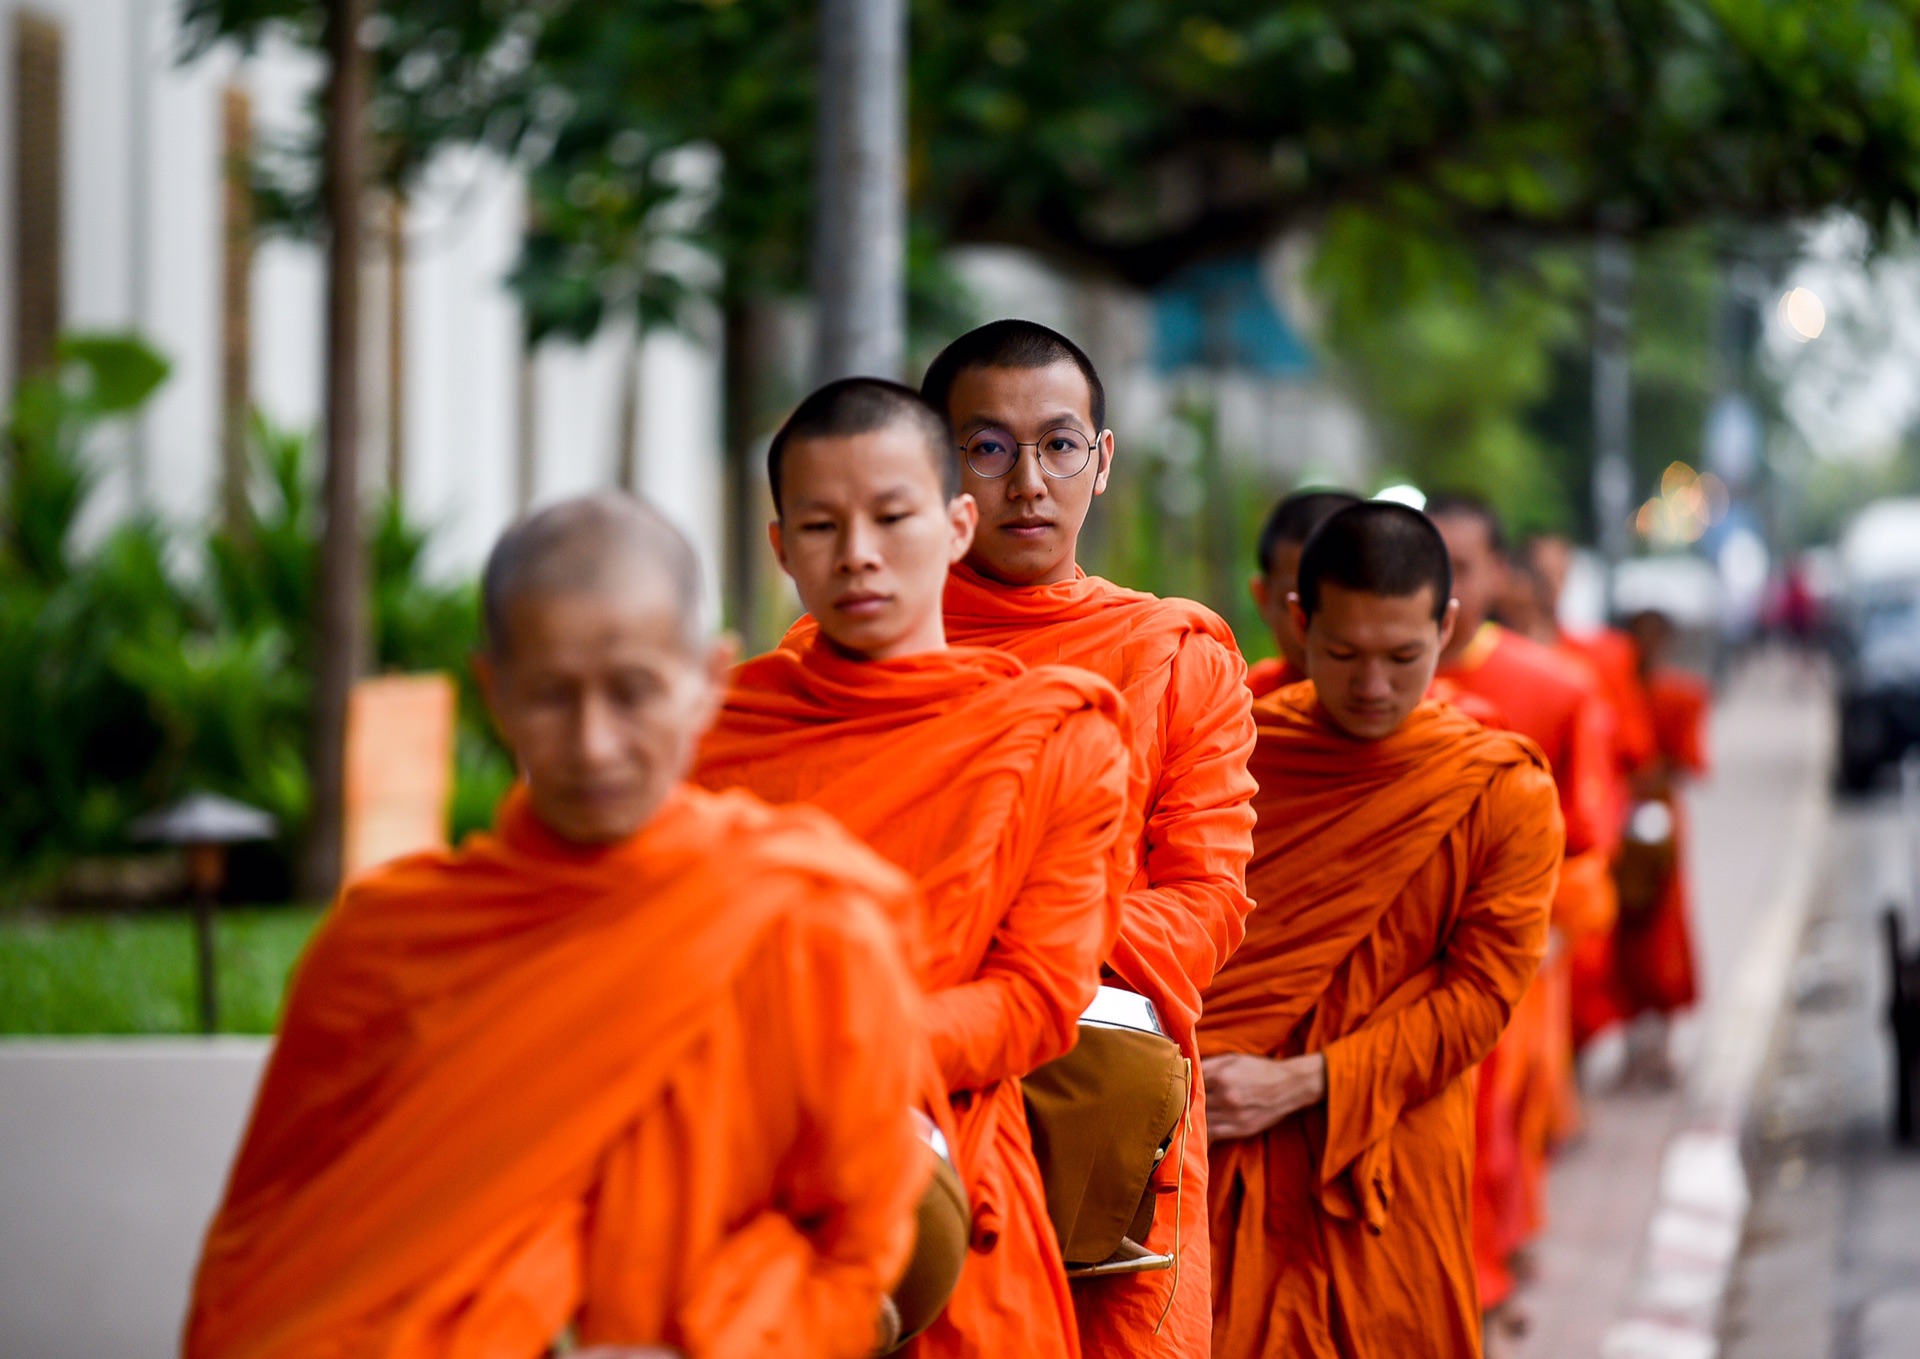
x=868, y=534
x=1478, y=574
x=1029, y=521
x=602, y=697
x=1270, y=595
x=1371, y=657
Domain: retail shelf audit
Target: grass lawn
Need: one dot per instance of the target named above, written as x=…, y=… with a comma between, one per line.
x=135, y=973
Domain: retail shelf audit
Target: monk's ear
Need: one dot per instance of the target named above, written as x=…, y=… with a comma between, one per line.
x=1103, y=457
x=722, y=655
x=486, y=674
x=1257, y=588
x=778, y=540
x=963, y=516
x=1297, y=614
x=1447, y=622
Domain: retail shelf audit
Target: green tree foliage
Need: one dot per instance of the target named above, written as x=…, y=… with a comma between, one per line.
x=1133, y=137
x=124, y=683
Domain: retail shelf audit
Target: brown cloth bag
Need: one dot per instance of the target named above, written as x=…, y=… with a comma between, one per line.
x=1102, y=1117
x=943, y=1226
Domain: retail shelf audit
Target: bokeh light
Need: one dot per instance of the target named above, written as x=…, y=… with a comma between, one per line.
x=1689, y=503
x=1803, y=314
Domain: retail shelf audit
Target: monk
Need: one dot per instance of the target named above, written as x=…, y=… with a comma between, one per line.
x=1653, y=947
x=636, y=1066
x=1404, y=868
x=1029, y=410
x=1000, y=788
x=1612, y=657
x=1527, y=1090
x=1281, y=538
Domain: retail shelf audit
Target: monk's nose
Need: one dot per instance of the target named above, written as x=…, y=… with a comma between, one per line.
x=859, y=549
x=598, y=733
x=1026, y=481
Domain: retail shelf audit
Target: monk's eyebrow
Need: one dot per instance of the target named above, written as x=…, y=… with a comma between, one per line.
x=1046, y=422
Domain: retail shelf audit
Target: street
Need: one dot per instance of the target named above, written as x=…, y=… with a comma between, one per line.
x=1831, y=1265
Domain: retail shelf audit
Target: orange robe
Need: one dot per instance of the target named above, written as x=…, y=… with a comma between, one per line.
x=1614, y=660
x=1404, y=888
x=1002, y=790
x=1276, y=672
x=1654, y=967
x=1184, y=912
x=1529, y=1081
x=654, y=1090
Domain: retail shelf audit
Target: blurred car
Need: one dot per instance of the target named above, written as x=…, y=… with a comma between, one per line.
x=1877, y=640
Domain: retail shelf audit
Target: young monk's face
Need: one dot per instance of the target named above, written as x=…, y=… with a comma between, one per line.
x=868, y=534
x=1270, y=595
x=1478, y=574
x=1371, y=657
x=1029, y=520
x=602, y=697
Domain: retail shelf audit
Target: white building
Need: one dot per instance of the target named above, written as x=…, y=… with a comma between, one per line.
x=140, y=221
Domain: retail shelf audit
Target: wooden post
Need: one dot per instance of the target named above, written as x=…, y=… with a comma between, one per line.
x=236, y=304
x=39, y=148
x=206, y=870
x=397, y=346
x=340, y=633
x=526, y=429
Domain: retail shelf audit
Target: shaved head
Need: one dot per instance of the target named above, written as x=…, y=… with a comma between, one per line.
x=607, y=543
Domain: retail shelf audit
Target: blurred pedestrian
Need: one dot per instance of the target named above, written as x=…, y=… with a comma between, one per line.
x=1653, y=944
x=1528, y=1081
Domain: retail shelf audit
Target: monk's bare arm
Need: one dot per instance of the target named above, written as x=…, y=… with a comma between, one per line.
x=1193, y=904
x=807, y=1278
x=1499, y=937
x=1023, y=1006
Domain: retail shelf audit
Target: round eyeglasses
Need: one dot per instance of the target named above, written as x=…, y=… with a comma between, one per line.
x=1062, y=453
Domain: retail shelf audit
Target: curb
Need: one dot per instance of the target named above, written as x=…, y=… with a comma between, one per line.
x=1693, y=1239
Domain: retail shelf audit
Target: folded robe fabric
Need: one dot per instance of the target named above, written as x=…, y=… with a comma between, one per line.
x=1276, y=672
x=654, y=1090
x=1180, y=670
x=1403, y=889
x=1002, y=790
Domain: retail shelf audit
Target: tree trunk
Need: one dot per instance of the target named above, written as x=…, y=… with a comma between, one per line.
x=1612, y=396
x=236, y=306
x=859, y=263
x=741, y=479
x=397, y=347
x=340, y=604
x=627, y=437
x=526, y=429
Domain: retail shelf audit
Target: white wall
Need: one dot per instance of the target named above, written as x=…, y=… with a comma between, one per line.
x=143, y=250
x=113, y=1155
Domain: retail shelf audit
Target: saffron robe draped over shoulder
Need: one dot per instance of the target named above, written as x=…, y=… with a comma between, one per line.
x=1003, y=791
x=1181, y=673
x=1404, y=888
x=1275, y=672
x=654, y=1090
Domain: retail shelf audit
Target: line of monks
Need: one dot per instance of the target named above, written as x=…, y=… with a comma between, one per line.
x=763, y=963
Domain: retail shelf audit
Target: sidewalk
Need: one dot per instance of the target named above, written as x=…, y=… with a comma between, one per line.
x=1769, y=746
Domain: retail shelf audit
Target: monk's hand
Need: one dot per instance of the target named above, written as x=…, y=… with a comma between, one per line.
x=1248, y=1094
